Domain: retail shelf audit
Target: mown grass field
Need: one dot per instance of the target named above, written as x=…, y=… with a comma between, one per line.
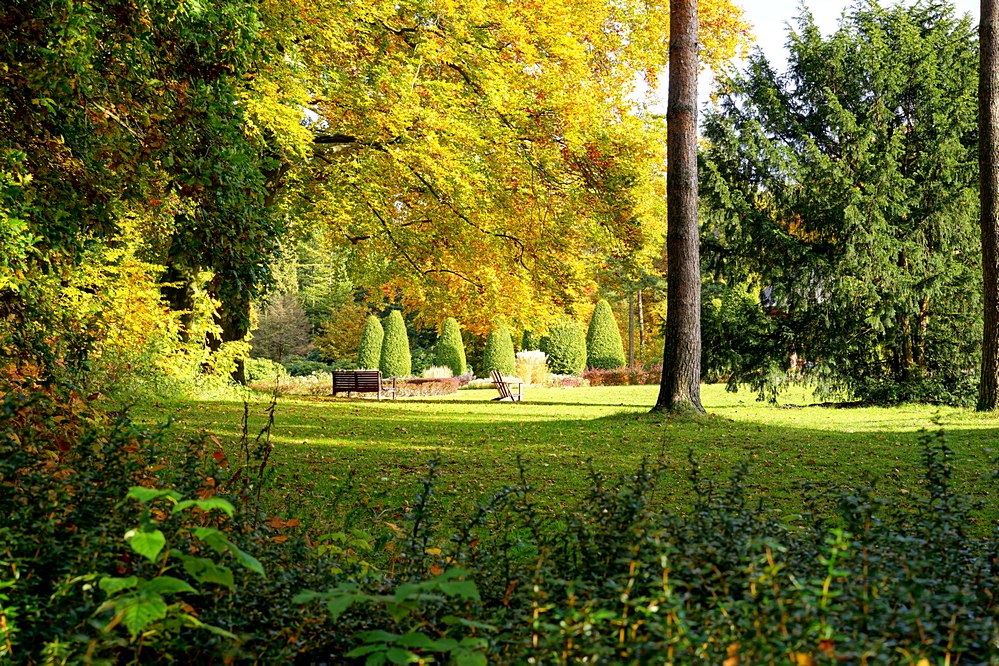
x=340, y=458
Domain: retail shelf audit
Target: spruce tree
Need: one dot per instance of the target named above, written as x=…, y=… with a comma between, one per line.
x=498, y=354
x=369, y=351
x=565, y=346
x=604, y=349
x=859, y=214
x=450, y=348
x=395, y=358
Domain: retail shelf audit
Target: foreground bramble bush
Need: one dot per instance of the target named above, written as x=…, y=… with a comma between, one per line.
x=615, y=579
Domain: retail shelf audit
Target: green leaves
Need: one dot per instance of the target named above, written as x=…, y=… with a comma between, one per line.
x=403, y=605
x=146, y=542
x=139, y=603
x=217, y=540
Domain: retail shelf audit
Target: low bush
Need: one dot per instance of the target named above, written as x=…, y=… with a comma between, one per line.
x=634, y=375
x=303, y=367
x=428, y=386
x=421, y=359
x=437, y=372
x=531, y=366
x=264, y=369
x=108, y=556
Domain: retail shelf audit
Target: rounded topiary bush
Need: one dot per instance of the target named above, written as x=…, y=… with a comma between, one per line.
x=450, y=348
x=369, y=351
x=498, y=354
x=604, y=349
x=395, y=360
x=565, y=346
x=530, y=342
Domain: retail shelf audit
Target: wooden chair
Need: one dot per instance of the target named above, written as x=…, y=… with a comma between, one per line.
x=505, y=388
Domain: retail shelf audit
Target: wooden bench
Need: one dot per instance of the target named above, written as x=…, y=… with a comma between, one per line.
x=362, y=381
x=505, y=388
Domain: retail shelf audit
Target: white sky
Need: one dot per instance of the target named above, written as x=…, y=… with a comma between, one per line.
x=770, y=19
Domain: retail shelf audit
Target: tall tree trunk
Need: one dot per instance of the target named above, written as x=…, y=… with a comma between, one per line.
x=680, y=388
x=631, y=330
x=988, y=161
x=641, y=329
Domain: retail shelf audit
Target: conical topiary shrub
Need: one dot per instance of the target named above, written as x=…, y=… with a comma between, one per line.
x=604, y=349
x=450, y=348
x=530, y=342
x=498, y=354
x=395, y=360
x=565, y=346
x=369, y=351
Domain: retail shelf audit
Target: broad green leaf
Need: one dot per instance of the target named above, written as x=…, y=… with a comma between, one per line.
x=378, y=636
x=338, y=605
x=114, y=585
x=464, y=589
x=417, y=640
x=166, y=585
x=221, y=544
x=206, y=571
x=142, y=610
x=213, y=538
x=469, y=658
x=247, y=560
x=145, y=495
x=212, y=503
x=400, y=656
x=148, y=544
x=365, y=649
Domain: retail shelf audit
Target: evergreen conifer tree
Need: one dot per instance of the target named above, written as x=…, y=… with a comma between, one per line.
x=565, y=346
x=395, y=358
x=604, y=348
x=369, y=351
x=498, y=354
x=450, y=348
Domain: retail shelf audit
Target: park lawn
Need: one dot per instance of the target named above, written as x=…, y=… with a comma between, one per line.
x=338, y=460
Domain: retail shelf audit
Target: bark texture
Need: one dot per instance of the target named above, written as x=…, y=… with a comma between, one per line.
x=988, y=160
x=680, y=387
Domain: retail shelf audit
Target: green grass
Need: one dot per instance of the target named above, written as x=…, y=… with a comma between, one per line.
x=339, y=457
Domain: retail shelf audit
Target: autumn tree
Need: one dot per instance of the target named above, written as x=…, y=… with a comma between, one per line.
x=476, y=175
x=680, y=388
x=988, y=160
x=838, y=189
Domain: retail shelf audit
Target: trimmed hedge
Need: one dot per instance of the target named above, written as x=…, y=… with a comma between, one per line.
x=450, y=348
x=395, y=358
x=604, y=349
x=565, y=346
x=498, y=354
x=369, y=352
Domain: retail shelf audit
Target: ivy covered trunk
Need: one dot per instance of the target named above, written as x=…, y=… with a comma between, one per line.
x=680, y=386
x=988, y=160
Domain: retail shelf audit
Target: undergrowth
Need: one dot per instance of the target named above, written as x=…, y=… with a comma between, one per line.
x=111, y=555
